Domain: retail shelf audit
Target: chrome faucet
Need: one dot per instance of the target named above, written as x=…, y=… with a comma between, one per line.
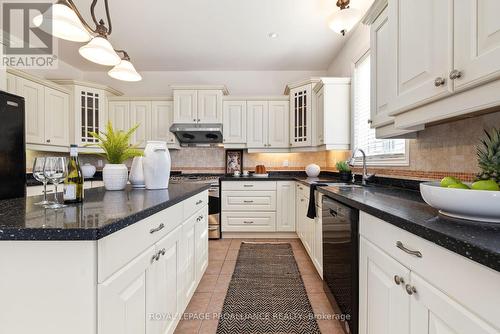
x=351, y=161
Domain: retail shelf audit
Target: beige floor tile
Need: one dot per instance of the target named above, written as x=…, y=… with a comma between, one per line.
x=320, y=304
x=209, y=326
x=313, y=283
x=188, y=327
x=199, y=303
x=207, y=283
x=222, y=283
x=221, y=243
x=228, y=267
x=232, y=254
x=235, y=243
x=306, y=267
x=214, y=267
x=216, y=302
x=330, y=327
x=217, y=254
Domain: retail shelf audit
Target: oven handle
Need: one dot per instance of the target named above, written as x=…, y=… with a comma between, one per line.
x=333, y=212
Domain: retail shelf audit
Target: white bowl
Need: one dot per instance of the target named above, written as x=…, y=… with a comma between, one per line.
x=88, y=171
x=480, y=205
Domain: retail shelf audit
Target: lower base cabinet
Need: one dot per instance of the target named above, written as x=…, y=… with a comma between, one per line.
x=437, y=293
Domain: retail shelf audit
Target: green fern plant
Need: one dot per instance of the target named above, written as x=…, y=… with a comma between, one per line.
x=343, y=166
x=115, y=144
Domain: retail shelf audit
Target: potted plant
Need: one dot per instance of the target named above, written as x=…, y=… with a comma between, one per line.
x=344, y=170
x=117, y=150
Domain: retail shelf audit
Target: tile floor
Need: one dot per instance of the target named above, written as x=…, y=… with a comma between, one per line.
x=209, y=296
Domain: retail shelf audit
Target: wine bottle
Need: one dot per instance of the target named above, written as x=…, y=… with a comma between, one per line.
x=73, y=183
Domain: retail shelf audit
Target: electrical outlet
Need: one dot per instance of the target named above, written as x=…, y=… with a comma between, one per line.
x=285, y=163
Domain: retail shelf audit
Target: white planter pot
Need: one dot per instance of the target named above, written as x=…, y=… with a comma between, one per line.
x=115, y=176
x=156, y=164
x=313, y=170
x=136, y=176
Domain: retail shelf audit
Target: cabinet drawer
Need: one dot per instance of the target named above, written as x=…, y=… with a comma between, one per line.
x=249, y=185
x=195, y=203
x=116, y=250
x=448, y=271
x=303, y=190
x=249, y=221
x=249, y=200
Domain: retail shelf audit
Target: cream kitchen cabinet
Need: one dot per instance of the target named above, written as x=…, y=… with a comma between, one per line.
x=189, y=262
x=140, y=114
x=234, y=125
x=278, y=135
x=198, y=104
x=403, y=292
x=33, y=94
x=56, y=117
x=162, y=117
x=301, y=110
x=285, y=208
x=119, y=115
x=267, y=124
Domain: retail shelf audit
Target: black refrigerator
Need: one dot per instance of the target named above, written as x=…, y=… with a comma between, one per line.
x=12, y=146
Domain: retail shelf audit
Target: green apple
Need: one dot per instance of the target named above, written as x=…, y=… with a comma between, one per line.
x=458, y=186
x=486, y=185
x=448, y=181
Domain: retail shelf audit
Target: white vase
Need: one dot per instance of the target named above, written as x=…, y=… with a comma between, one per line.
x=312, y=170
x=156, y=164
x=115, y=176
x=136, y=176
x=88, y=171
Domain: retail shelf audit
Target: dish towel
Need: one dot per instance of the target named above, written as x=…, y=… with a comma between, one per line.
x=311, y=210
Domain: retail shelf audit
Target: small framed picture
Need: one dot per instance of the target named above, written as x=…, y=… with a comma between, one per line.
x=234, y=161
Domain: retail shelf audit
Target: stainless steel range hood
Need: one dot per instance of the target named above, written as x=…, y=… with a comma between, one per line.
x=198, y=133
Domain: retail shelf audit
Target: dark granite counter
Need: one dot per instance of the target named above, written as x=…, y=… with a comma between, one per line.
x=102, y=213
x=405, y=208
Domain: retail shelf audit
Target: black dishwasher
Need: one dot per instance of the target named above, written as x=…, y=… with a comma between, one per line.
x=340, y=260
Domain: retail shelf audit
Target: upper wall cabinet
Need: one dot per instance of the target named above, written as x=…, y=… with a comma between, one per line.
x=301, y=109
x=47, y=111
x=234, y=125
x=444, y=56
x=153, y=115
x=198, y=104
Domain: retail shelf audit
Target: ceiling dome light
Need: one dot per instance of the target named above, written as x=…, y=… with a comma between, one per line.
x=100, y=51
x=345, y=19
x=62, y=22
x=125, y=71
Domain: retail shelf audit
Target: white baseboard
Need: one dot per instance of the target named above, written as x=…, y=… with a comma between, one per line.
x=263, y=235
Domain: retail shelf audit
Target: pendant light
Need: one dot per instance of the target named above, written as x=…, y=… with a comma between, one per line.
x=100, y=51
x=345, y=19
x=62, y=22
x=124, y=71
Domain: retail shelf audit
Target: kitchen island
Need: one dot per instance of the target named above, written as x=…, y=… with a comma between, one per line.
x=124, y=261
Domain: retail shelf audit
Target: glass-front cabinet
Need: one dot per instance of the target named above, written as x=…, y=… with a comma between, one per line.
x=301, y=113
x=89, y=115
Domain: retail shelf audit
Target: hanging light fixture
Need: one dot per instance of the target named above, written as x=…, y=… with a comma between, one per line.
x=68, y=24
x=345, y=19
x=124, y=71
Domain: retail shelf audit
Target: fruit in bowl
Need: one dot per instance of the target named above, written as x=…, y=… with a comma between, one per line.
x=490, y=185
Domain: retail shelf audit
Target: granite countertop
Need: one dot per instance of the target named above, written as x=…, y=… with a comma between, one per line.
x=102, y=213
x=406, y=209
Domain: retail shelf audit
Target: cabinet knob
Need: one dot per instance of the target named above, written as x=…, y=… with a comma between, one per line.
x=194, y=119
x=370, y=121
x=398, y=280
x=455, y=74
x=410, y=289
x=48, y=140
x=198, y=120
x=439, y=81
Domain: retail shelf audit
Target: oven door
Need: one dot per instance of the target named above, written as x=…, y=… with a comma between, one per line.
x=214, y=213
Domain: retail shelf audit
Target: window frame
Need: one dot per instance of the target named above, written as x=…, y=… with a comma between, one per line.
x=377, y=160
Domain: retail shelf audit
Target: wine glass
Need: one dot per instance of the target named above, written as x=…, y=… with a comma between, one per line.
x=39, y=175
x=55, y=170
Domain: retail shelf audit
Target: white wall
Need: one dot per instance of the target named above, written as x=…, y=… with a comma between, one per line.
x=238, y=82
x=357, y=44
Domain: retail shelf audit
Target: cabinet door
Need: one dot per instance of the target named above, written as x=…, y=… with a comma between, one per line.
x=11, y=84
x=90, y=117
x=307, y=227
x=301, y=118
x=34, y=107
x=122, y=298
x=164, y=285
x=56, y=117
x=383, y=77
x=140, y=113
x=299, y=214
x=201, y=234
x=476, y=41
x=162, y=118
x=209, y=106
x=318, y=242
x=433, y=312
x=319, y=136
x=119, y=115
x=422, y=33
x=278, y=129
x=189, y=257
x=235, y=122
x=285, y=211
x=257, y=124
x=185, y=106
x=384, y=306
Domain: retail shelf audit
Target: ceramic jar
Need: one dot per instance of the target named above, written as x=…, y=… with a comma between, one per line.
x=136, y=176
x=115, y=176
x=88, y=171
x=312, y=170
x=156, y=164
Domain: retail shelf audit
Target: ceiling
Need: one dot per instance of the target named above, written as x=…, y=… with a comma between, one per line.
x=176, y=35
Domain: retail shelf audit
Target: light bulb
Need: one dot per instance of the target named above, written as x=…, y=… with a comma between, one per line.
x=344, y=20
x=100, y=51
x=125, y=71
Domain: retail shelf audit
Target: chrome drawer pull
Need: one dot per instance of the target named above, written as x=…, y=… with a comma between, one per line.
x=399, y=280
x=162, y=252
x=199, y=202
x=248, y=222
x=213, y=228
x=410, y=289
x=248, y=185
x=400, y=245
x=155, y=257
x=199, y=218
x=154, y=230
x=247, y=201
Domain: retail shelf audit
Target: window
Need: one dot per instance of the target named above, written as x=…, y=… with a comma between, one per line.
x=378, y=151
